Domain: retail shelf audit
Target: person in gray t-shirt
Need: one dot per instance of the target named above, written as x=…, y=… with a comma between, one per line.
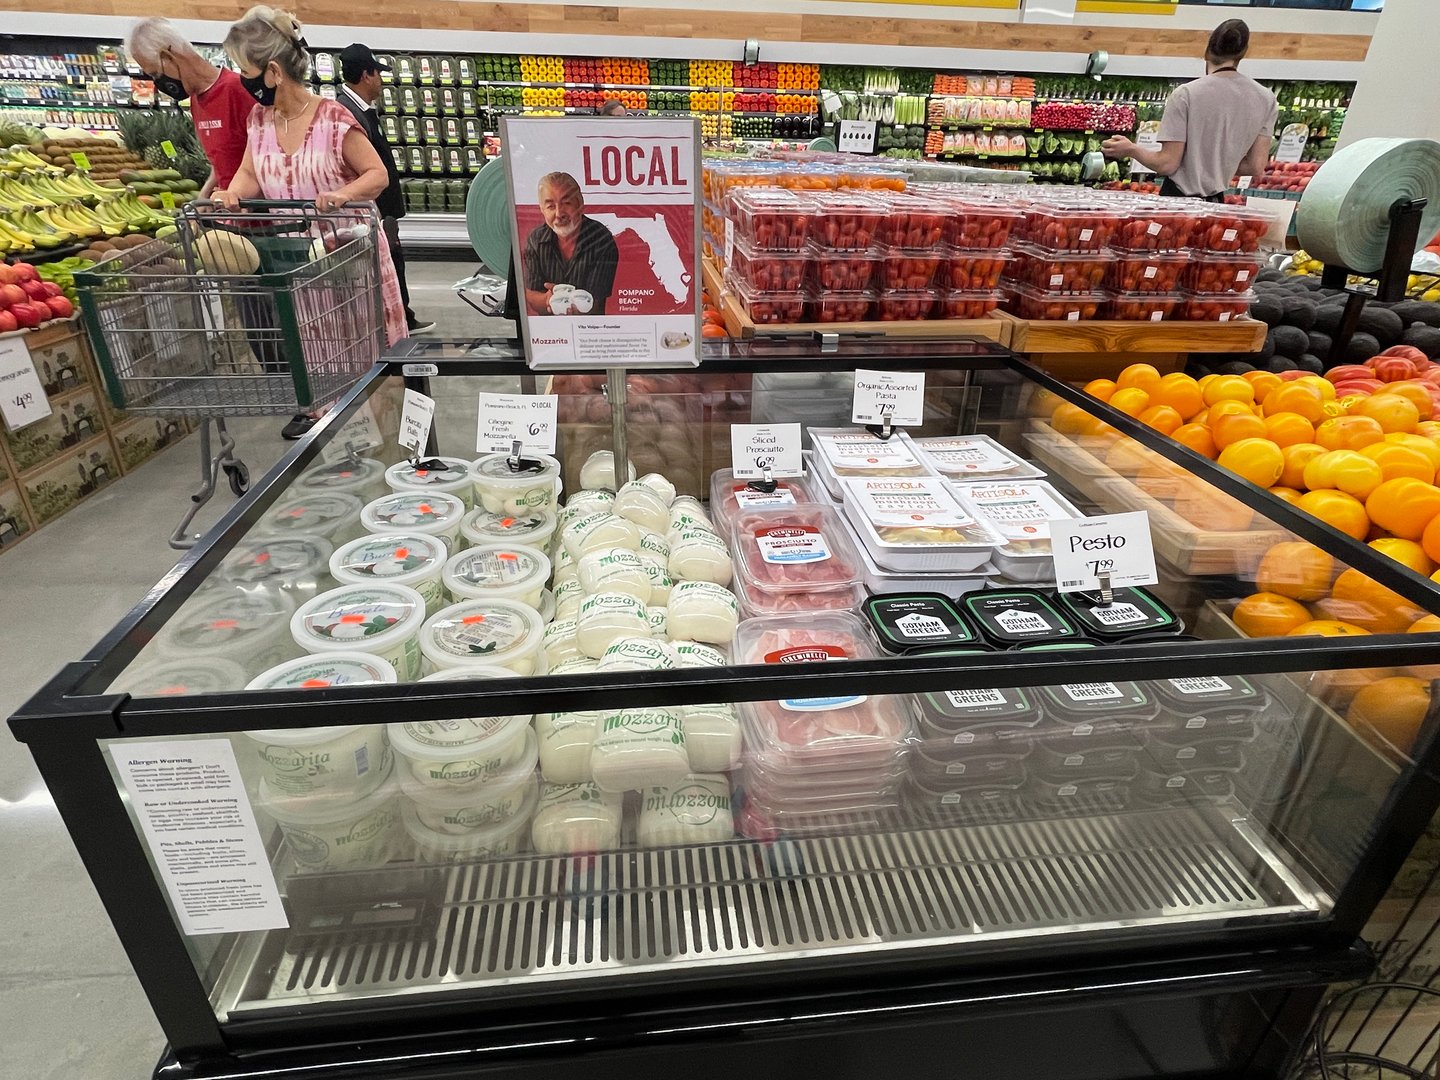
x=1214, y=128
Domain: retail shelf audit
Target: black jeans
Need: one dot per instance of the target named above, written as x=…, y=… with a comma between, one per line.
x=1170, y=188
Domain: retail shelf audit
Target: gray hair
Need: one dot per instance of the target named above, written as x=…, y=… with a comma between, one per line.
x=150, y=37
x=265, y=34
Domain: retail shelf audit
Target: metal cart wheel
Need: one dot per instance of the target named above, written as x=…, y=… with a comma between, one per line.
x=239, y=477
x=1379, y=1031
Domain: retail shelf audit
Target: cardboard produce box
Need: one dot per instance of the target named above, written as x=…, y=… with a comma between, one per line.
x=15, y=521
x=75, y=417
x=140, y=438
x=75, y=475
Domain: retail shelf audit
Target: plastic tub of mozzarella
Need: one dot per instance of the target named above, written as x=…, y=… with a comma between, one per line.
x=565, y=741
x=181, y=678
x=297, y=565
x=252, y=629
x=329, y=515
x=695, y=810
x=460, y=753
x=534, y=529
x=502, y=838
x=460, y=811
x=504, y=633
x=498, y=572
x=575, y=818
x=381, y=619
x=361, y=476
x=501, y=489
x=639, y=748
x=413, y=559
x=432, y=476
x=328, y=831
x=433, y=513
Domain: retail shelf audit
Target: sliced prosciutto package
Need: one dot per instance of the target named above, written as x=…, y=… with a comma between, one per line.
x=729, y=496
x=794, y=559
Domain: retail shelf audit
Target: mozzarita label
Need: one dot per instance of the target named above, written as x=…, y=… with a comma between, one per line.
x=787, y=544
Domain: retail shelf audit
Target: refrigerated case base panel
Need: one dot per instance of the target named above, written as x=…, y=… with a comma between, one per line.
x=640, y=913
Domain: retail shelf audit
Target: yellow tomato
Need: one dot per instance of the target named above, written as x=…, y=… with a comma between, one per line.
x=1289, y=429
x=1232, y=429
x=1298, y=398
x=1256, y=460
x=1162, y=418
x=1420, y=443
x=1339, y=510
x=1325, y=387
x=1396, y=460
x=1406, y=553
x=1130, y=400
x=1296, y=458
x=1198, y=438
x=1392, y=412
x=1266, y=614
x=1348, y=432
x=1181, y=393
x=1286, y=494
x=1263, y=383
x=1343, y=470
x=1404, y=506
x=1295, y=569
x=1103, y=389
x=1228, y=388
x=1141, y=376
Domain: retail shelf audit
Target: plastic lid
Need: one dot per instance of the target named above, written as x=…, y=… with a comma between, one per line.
x=496, y=570
x=373, y=618
x=320, y=672
x=729, y=496
x=495, y=632
x=532, y=529
x=476, y=671
x=182, y=678
x=1018, y=617
x=233, y=623
x=444, y=740
x=322, y=809
x=856, y=452
x=346, y=475
x=1207, y=692
x=495, y=469
x=398, y=558
x=458, y=797
x=320, y=513
x=1132, y=612
x=275, y=560
x=903, y=622
x=440, y=474
x=970, y=458
x=405, y=511
x=794, y=549
x=1073, y=701
x=1019, y=511
x=476, y=842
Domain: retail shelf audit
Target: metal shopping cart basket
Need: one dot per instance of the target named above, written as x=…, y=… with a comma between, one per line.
x=273, y=310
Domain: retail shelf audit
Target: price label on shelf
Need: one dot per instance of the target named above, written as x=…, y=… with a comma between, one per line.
x=897, y=396
x=168, y=149
x=756, y=447
x=82, y=161
x=856, y=136
x=1292, y=143
x=415, y=420
x=22, y=397
x=167, y=200
x=1115, y=547
x=505, y=418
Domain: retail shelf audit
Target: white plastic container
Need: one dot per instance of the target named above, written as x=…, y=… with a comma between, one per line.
x=444, y=474
x=320, y=672
x=537, y=529
x=343, y=763
x=380, y=619
x=413, y=559
x=328, y=832
x=639, y=748
x=329, y=515
x=845, y=452
x=476, y=671
x=566, y=740
x=575, y=818
x=251, y=629
x=1020, y=513
x=916, y=524
x=505, y=837
x=503, y=490
x=362, y=477
x=696, y=810
x=703, y=611
x=965, y=459
x=181, y=678
x=498, y=572
x=878, y=581
x=296, y=565
x=505, y=633
x=462, y=810
x=433, y=513
x=712, y=736
x=467, y=754
x=606, y=618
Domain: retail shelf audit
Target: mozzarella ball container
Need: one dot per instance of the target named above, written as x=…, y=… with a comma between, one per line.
x=250, y=629
x=331, y=516
x=696, y=810
x=465, y=754
x=607, y=617
x=361, y=477
x=614, y=569
x=703, y=611
x=326, y=832
x=465, y=809
x=345, y=762
x=504, y=633
x=296, y=565
x=639, y=748
x=585, y=501
x=601, y=529
x=432, y=476
x=381, y=619
x=535, y=529
x=431, y=513
x=699, y=554
x=641, y=504
x=501, y=489
x=575, y=818
x=413, y=559
x=498, y=572
x=505, y=837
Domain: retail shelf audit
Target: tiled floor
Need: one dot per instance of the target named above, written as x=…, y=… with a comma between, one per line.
x=69, y=1005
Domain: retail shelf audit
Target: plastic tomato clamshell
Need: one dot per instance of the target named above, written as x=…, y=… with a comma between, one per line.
x=768, y=271
x=1058, y=271
x=1030, y=303
x=1143, y=306
x=981, y=225
x=906, y=305
x=1156, y=228
x=969, y=303
x=841, y=307
x=770, y=219
x=842, y=271
x=769, y=307
x=846, y=221
x=1234, y=230
x=916, y=222
x=913, y=270
x=1146, y=272
x=1211, y=274
x=1226, y=308
x=972, y=268
x=1080, y=227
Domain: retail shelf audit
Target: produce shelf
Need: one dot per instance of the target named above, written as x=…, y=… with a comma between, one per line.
x=1240, y=336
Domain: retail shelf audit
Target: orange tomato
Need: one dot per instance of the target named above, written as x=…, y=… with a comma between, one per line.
x=1404, y=507
x=1289, y=429
x=1267, y=614
x=1070, y=419
x=1296, y=458
x=1162, y=418
x=713, y=331
x=1295, y=397
x=1393, y=709
x=1227, y=408
x=1228, y=388
x=1103, y=389
x=1341, y=511
x=1396, y=460
x=1295, y=569
x=1141, y=376
x=1430, y=543
x=1263, y=383
x=1419, y=443
x=1198, y=438
x=1393, y=412
x=1130, y=400
x=1343, y=470
x=1181, y=393
x=1407, y=553
x=1256, y=460
x=1371, y=606
x=1324, y=387
x=1286, y=494
x=1232, y=429
x=1327, y=628
x=1348, y=432
x=1413, y=392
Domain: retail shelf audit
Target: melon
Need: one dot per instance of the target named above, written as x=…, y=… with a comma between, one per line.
x=227, y=253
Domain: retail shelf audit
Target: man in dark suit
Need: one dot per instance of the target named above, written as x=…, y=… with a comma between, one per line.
x=361, y=71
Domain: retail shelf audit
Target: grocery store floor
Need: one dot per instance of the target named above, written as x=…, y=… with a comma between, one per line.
x=71, y=1006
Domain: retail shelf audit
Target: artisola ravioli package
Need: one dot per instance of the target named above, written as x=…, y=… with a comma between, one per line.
x=916, y=524
x=1021, y=514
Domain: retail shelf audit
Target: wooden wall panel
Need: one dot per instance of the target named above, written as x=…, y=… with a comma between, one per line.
x=767, y=26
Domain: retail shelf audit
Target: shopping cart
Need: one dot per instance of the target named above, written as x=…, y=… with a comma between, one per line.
x=273, y=310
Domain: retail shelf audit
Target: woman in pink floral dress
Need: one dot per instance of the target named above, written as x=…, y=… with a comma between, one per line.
x=300, y=145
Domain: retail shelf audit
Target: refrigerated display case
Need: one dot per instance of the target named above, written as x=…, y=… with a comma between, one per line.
x=1095, y=836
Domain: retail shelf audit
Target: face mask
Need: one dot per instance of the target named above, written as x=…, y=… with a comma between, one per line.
x=265, y=95
x=169, y=86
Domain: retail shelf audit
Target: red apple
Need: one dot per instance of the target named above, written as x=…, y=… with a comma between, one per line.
x=60, y=307
x=35, y=290
x=7, y=275
x=10, y=295
x=29, y=315
x=51, y=289
x=25, y=272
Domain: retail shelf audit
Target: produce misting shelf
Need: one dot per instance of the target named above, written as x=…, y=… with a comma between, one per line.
x=1055, y=336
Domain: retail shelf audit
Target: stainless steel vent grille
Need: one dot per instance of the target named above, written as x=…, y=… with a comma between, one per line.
x=644, y=911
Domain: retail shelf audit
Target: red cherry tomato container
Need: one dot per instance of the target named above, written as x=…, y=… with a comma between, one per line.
x=841, y=307
x=765, y=308
x=768, y=271
x=1060, y=272
x=770, y=219
x=1230, y=230
x=846, y=221
x=1143, y=306
x=1031, y=303
x=1156, y=228
x=917, y=222
x=969, y=303
x=842, y=271
x=1146, y=272
x=1209, y=274
x=1226, y=308
x=981, y=224
x=908, y=270
x=972, y=268
x=906, y=305
x=1080, y=227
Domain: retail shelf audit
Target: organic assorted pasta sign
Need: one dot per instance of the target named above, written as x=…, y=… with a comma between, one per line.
x=607, y=239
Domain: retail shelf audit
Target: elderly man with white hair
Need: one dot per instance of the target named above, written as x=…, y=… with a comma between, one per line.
x=219, y=104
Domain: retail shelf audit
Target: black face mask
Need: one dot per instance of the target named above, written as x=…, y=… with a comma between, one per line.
x=169, y=86
x=265, y=95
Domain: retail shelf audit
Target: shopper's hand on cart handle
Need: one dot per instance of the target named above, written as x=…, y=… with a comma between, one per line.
x=331, y=200
x=228, y=199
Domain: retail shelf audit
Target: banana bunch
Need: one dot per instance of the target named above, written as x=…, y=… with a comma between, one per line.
x=16, y=194
x=127, y=210
x=18, y=157
x=26, y=229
